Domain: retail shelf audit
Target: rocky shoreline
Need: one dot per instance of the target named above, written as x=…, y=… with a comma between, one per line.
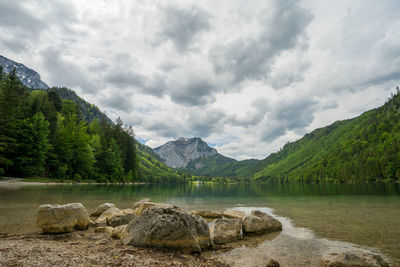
x=154, y=234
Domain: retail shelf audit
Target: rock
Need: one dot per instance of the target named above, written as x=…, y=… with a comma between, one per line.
x=115, y=213
x=272, y=263
x=145, y=205
x=254, y=224
x=226, y=230
x=272, y=223
x=104, y=229
x=137, y=204
x=120, y=218
x=353, y=259
x=62, y=218
x=102, y=208
x=169, y=228
x=207, y=214
x=234, y=214
x=118, y=231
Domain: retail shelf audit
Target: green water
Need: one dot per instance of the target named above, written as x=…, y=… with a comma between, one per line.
x=366, y=214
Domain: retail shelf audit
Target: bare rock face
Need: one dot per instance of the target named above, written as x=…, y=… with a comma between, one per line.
x=226, y=230
x=62, y=218
x=353, y=259
x=207, y=214
x=168, y=228
x=233, y=214
x=272, y=224
x=179, y=153
x=102, y=208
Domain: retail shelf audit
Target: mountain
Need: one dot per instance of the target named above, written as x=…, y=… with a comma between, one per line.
x=362, y=149
x=27, y=76
x=189, y=153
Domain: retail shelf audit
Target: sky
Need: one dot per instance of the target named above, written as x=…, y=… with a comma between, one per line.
x=246, y=76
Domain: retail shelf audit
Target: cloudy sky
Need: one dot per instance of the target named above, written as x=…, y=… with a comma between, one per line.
x=246, y=76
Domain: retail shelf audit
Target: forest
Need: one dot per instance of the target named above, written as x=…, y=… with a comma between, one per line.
x=45, y=136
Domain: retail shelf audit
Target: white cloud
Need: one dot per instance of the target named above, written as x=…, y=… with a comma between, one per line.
x=247, y=76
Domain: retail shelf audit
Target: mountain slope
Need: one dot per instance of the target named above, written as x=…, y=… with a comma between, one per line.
x=363, y=149
x=179, y=153
x=27, y=76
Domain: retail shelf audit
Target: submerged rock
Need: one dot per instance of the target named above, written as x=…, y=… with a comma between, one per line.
x=207, y=214
x=254, y=224
x=234, y=214
x=62, y=218
x=353, y=259
x=168, y=227
x=226, y=230
x=102, y=208
x=272, y=223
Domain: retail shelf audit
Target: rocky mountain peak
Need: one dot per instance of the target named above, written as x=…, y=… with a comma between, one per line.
x=27, y=76
x=181, y=152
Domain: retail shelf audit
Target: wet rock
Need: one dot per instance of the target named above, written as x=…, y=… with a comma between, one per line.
x=120, y=218
x=62, y=218
x=353, y=259
x=234, y=214
x=254, y=224
x=272, y=263
x=102, y=208
x=118, y=231
x=226, y=230
x=146, y=205
x=272, y=223
x=207, y=214
x=168, y=227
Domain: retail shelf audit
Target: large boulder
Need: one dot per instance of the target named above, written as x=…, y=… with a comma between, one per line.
x=169, y=228
x=120, y=218
x=353, y=259
x=233, y=214
x=207, y=214
x=254, y=224
x=146, y=205
x=226, y=230
x=102, y=208
x=62, y=218
x=272, y=223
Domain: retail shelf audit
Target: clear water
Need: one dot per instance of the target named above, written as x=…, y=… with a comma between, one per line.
x=364, y=214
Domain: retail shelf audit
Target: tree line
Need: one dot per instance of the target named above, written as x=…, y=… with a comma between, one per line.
x=46, y=136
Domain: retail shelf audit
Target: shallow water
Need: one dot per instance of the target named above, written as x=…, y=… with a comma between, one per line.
x=366, y=214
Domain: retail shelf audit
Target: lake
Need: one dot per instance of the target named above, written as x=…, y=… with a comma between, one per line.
x=363, y=214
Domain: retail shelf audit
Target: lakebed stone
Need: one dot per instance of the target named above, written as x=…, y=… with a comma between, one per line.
x=272, y=223
x=353, y=259
x=62, y=218
x=168, y=227
x=102, y=208
x=223, y=231
x=254, y=224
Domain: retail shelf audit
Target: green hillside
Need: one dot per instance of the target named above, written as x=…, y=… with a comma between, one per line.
x=363, y=149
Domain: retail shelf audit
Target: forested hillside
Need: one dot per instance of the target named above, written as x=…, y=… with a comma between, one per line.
x=54, y=133
x=363, y=149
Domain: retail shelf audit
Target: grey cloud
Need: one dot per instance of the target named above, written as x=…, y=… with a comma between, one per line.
x=118, y=100
x=194, y=93
x=250, y=58
x=182, y=25
x=14, y=44
x=205, y=123
x=287, y=77
x=65, y=73
x=286, y=116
